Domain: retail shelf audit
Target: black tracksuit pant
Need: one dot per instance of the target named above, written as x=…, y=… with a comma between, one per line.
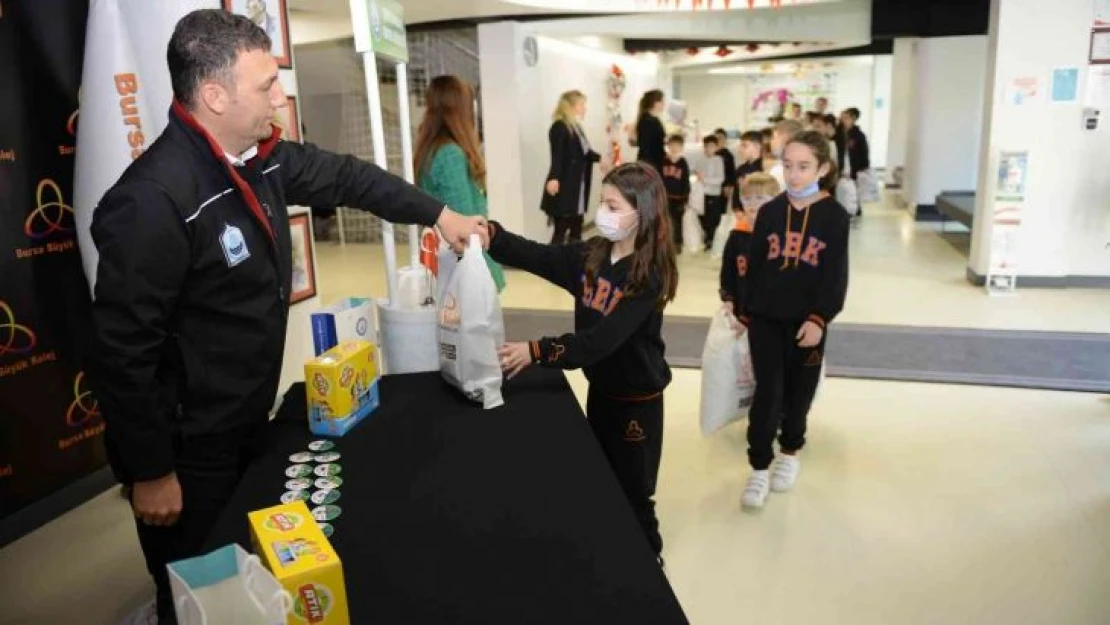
x=631, y=435
x=786, y=378
x=209, y=470
x=711, y=219
x=677, y=208
x=568, y=229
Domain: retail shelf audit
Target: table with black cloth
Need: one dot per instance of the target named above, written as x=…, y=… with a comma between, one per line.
x=454, y=514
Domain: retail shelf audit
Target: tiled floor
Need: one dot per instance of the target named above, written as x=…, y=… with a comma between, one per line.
x=918, y=504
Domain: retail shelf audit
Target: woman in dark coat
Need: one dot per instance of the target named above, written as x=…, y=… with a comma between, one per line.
x=651, y=137
x=568, y=181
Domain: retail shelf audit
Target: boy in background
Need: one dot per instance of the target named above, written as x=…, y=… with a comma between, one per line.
x=676, y=178
x=756, y=190
x=751, y=162
x=784, y=131
x=712, y=176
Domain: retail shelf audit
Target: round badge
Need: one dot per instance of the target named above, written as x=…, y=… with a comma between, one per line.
x=321, y=446
x=326, y=513
x=327, y=529
x=329, y=483
x=300, y=483
x=327, y=470
x=294, y=495
x=299, y=470
x=326, y=457
x=324, y=497
x=301, y=457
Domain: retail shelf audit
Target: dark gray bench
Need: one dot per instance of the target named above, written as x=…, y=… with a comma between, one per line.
x=957, y=206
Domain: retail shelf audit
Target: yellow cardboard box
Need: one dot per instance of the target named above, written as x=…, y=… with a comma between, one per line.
x=292, y=546
x=342, y=387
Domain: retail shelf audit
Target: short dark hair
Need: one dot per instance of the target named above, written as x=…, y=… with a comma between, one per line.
x=676, y=138
x=854, y=112
x=720, y=131
x=204, y=45
x=830, y=119
x=753, y=136
x=710, y=139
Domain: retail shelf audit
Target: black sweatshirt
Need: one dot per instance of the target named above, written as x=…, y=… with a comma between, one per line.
x=617, y=339
x=734, y=264
x=676, y=177
x=798, y=262
x=651, y=139
x=730, y=166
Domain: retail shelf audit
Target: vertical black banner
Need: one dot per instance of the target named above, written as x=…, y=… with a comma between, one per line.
x=50, y=429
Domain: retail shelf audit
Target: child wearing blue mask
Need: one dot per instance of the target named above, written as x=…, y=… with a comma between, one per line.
x=796, y=284
x=621, y=281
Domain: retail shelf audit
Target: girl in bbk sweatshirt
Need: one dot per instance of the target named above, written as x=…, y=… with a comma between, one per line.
x=795, y=286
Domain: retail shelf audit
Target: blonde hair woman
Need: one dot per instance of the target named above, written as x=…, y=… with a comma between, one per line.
x=568, y=180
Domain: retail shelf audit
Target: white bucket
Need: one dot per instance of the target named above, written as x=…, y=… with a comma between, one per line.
x=409, y=338
x=414, y=286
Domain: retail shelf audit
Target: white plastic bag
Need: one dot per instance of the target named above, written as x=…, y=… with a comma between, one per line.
x=692, y=235
x=228, y=585
x=696, y=202
x=720, y=237
x=867, y=187
x=847, y=196
x=471, y=329
x=727, y=377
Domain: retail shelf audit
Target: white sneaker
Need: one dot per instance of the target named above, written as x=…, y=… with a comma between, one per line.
x=756, y=490
x=784, y=473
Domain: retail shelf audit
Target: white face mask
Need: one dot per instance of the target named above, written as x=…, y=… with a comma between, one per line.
x=609, y=224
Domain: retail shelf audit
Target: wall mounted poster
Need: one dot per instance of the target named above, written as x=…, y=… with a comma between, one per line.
x=272, y=17
x=1023, y=90
x=1065, y=85
x=304, y=271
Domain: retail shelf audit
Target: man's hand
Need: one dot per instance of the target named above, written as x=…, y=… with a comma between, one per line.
x=515, y=357
x=157, y=502
x=552, y=187
x=810, y=335
x=456, y=229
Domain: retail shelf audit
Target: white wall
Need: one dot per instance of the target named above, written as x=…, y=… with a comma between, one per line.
x=902, y=101
x=517, y=102
x=879, y=137
x=1066, y=221
x=312, y=27
x=946, y=127
x=715, y=100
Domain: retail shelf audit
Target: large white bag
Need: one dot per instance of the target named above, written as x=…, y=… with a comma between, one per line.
x=867, y=187
x=471, y=329
x=692, y=235
x=727, y=377
x=720, y=237
x=696, y=202
x=847, y=196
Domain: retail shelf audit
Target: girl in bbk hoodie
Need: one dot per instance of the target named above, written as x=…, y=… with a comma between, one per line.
x=795, y=286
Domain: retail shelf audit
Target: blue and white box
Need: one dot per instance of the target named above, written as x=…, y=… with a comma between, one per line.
x=350, y=319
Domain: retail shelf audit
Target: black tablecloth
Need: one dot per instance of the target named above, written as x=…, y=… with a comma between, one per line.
x=453, y=514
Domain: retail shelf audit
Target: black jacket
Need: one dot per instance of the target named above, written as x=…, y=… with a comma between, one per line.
x=676, y=179
x=734, y=264
x=797, y=263
x=193, y=284
x=730, y=167
x=572, y=166
x=617, y=339
x=651, y=139
x=859, y=152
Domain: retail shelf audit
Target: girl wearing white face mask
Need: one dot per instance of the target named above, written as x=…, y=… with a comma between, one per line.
x=621, y=282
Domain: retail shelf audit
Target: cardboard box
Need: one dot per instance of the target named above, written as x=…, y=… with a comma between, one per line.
x=342, y=387
x=351, y=319
x=292, y=546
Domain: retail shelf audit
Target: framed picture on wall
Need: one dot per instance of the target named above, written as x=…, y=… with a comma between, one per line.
x=288, y=120
x=304, y=272
x=272, y=17
x=1100, y=46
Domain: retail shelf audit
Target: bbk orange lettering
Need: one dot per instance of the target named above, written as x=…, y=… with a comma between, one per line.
x=774, y=247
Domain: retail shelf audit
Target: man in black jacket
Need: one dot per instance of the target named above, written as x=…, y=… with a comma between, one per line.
x=851, y=146
x=192, y=288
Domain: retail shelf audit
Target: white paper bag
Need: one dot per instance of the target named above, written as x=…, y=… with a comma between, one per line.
x=727, y=377
x=350, y=319
x=867, y=187
x=228, y=585
x=471, y=329
x=692, y=235
x=847, y=196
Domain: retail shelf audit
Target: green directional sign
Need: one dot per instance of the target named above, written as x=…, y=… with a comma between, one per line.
x=387, y=30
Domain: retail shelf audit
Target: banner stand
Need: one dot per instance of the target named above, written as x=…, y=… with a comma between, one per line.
x=408, y=329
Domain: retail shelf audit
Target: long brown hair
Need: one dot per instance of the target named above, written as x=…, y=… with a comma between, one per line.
x=449, y=118
x=654, y=256
x=819, y=143
x=648, y=102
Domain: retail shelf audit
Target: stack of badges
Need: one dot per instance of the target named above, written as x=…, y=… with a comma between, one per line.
x=314, y=478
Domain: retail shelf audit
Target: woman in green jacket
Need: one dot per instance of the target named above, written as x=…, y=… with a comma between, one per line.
x=448, y=161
